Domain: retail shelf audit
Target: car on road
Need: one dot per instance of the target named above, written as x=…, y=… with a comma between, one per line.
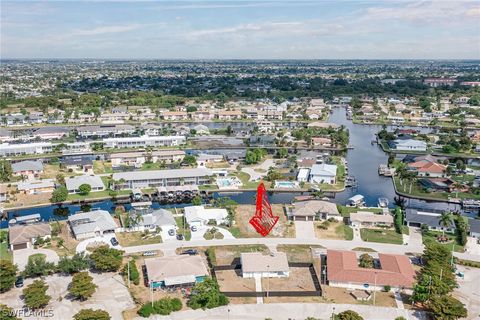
x=114, y=242
x=149, y=253
x=171, y=232
x=193, y=228
x=19, y=282
x=190, y=252
x=179, y=236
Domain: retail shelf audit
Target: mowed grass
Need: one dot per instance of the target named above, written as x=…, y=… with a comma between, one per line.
x=127, y=239
x=431, y=237
x=381, y=236
x=4, y=252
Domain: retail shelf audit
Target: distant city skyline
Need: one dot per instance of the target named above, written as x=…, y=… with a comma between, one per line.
x=240, y=29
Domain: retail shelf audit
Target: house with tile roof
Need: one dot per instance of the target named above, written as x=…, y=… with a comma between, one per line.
x=343, y=271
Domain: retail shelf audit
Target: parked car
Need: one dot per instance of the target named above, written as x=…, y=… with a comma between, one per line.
x=149, y=253
x=190, y=252
x=171, y=232
x=114, y=242
x=19, y=282
x=179, y=236
x=193, y=228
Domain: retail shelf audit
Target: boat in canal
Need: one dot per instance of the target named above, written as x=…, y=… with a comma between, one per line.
x=383, y=202
x=356, y=201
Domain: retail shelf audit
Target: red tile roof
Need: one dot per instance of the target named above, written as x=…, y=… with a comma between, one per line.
x=423, y=166
x=396, y=270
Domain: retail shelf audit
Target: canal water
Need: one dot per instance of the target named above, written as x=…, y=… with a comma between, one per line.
x=363, y=161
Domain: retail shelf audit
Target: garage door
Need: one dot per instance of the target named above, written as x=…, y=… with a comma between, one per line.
x=20, y=246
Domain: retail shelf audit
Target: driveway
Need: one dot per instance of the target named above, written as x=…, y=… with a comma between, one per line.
x=20, y=257
x=414, y=237
x=264, y=166
x=467, y=290
x=198, y=235
x=82, y=246
x=111, y=295
x=167, y=237
x=304, y=230
x=472, y=246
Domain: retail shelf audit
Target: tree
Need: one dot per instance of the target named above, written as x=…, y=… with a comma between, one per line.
x=348, y=315
x=60, y=179
x=90, y=314
x=5, y=171
x=197, y=201
x=134, y=275
x=445, y=220
x=8, y=272
x=7, y=313
x=366, y=261
x=398, y=220
x=106, y=259
x=163, y=306
x=447, y=307
x=461, y=230
x=59, y=195
x=76, y=263
x=206, y=294
x=82, y=286
x=37, y=265
x=190, y=160
x=35, y=295
x=84, y=189
x=282, y=153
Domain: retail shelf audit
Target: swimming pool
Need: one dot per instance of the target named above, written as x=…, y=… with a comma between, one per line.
x=286, y=184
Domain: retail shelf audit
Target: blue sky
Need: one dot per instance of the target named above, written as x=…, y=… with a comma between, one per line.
x=241, y=29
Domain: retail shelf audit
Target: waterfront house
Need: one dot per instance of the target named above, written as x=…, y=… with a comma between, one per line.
x=163, y=178
x=83, y=163
x=204, y=158
x=230, y=115
x=73, y=183
x=363, y=219
x=321, y=142
x=175, y=271
x=105, y=131
x=416, y=218
x=144, y=141
x=323, y=173
x=200, y=216
x=27, y=168
x=428, y=169
x=201, y=129
x=437, y=184
x=22, y=236
x=51, y=133
x=259, y=265
x=6, y=135
x=91, y=224
x=310, y=210
x=474, y=228
x=158, y=218
x=343, y=271
x=137, y=159
x=409, y=145
x=36, y=186
x=175, y=115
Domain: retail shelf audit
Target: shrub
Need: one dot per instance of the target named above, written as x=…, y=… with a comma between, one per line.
x=387, y=288
x=163, y=306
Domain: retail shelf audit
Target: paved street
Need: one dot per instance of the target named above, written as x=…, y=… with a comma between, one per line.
x=468, y=292
x=287, y=311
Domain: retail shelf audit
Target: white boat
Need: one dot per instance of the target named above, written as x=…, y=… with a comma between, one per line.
x=383, y=202
x=356, y=201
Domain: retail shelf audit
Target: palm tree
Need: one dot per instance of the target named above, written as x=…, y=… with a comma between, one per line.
x=457, y=185
x=445, y=220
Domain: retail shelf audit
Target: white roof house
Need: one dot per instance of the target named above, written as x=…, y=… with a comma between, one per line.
x=199, y=216
x=175, y=270
x=256, y=264
x=163, y=178
x=91, y=224
x=323, y=173
x=73, y=183
x=159, y=218
x=410, y=144
x=303, y=174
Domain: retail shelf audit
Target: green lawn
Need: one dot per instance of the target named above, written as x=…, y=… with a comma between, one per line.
x=344, y=231
x=244, y=177
x=381, y=235
x=5, y=254
x=431, y=236
x=345, y=211
x=95, y=195
x=183, y=228
x=37, y=256
x=102, y=167
x=418, y=191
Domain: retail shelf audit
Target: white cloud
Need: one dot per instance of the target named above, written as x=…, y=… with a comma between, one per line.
x=105, y=29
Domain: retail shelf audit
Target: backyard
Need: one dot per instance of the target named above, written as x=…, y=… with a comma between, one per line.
x=431, y=237
x=128, y=239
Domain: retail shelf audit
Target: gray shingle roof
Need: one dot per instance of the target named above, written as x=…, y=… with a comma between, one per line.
x=87, y=222
x=74, y=183
x=27, y=166
x=162, y=174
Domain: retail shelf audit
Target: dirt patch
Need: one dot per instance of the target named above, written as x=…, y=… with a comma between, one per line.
x=231, y=280
x=293, y=299
x=21, y=199
x=127, y=239
x=330, y=233
x=298, y=280
x=226, y=254
x=341, y=295
x=283, y=228
x=298, y=253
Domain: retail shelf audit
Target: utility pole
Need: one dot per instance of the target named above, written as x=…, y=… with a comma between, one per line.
x=453, y=250
x=151, y=292
x=268, y=279
x=128, y=273
x=375, y=289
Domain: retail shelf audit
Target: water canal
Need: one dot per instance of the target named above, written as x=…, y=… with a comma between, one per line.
x=363, y=161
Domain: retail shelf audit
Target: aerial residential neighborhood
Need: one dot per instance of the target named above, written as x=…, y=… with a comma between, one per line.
x=253, y=160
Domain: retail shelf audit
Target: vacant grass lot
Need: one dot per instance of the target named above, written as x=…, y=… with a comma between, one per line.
x=128, y=239
x=335, y=230
x=297, y=253
x=381, y=235
x=243, y=213
x=226, y=254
